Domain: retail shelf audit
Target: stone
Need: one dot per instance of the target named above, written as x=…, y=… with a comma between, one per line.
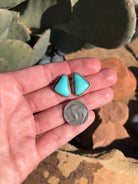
x=45, y=174
x=53, y=180
x=101, y=54
x=126, y=83
x=114, y=112
x=57, y=58
x=62, y=86
x=110, y=167
x=80, y=84
x=113, y=116
x=104, y=135
x=45, y=60
x=68, y=147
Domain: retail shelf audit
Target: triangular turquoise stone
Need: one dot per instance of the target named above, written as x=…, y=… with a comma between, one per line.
x=80, y=84
x=62, y=86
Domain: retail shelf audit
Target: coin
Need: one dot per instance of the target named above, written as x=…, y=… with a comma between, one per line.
x=76, y=113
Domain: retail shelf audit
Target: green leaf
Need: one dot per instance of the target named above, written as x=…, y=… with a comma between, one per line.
x=17, y=53
x=4, y=66
x=41, y=46
x=5, y=22
x=18, y=31
x=10, y=3
x=108, y=23
x=44, y=13
x=65, y=42
x=136, y=9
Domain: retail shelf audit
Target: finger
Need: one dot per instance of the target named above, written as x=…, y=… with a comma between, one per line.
x=53, y=117
x=52, y=140
x=36, y=77
x=47, y=98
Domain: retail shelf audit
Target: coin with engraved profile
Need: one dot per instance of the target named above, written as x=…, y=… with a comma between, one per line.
x=76, y=113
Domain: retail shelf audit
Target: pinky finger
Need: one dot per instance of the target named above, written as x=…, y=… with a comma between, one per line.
x=54, y=139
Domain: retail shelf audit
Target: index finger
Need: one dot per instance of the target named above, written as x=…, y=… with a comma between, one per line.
x=39, y=76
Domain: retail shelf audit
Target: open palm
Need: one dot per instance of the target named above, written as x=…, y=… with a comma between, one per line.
x=29, y=107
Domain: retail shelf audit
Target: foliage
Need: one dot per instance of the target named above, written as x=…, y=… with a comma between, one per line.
x=25, y=27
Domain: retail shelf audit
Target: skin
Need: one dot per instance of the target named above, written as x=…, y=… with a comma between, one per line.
x=26, y=92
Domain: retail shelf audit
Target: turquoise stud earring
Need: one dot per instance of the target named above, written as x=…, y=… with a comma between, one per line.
x=62, y=86
x=80, y=84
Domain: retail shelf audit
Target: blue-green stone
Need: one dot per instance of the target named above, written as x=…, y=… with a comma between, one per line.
x=62, y=86
x=80, y=84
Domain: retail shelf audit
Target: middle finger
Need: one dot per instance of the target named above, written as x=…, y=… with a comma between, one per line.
x=46, y=98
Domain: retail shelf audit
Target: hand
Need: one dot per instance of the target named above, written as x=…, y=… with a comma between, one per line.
x=28, y=91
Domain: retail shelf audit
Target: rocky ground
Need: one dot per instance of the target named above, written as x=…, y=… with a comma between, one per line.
x=107, y=152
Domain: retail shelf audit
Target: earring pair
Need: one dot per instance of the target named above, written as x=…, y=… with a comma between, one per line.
x=79, y=85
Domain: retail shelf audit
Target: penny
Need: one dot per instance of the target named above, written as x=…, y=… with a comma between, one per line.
x=76, y=113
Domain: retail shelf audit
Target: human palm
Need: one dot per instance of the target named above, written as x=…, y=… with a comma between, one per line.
x=29, y=107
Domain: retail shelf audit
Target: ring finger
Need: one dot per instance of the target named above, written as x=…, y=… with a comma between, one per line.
x=53, y=117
